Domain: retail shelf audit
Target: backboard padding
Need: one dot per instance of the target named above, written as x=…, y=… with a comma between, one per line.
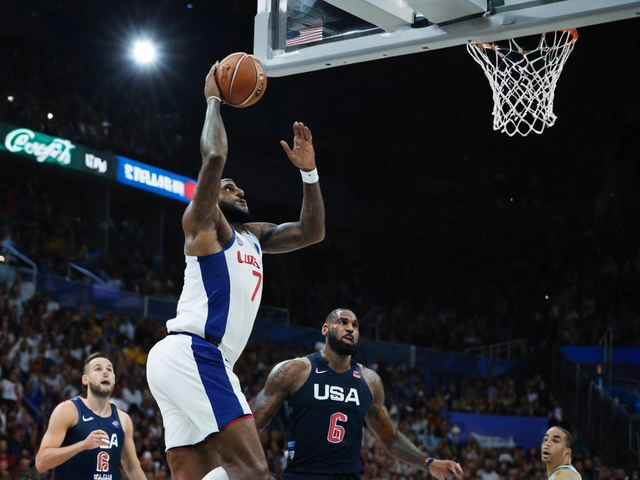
x=336, y=37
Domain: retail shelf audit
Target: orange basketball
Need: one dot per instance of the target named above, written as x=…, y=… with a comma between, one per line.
x=241, y=79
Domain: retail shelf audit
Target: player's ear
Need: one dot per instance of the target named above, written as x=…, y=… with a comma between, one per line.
x=85, y=380
x=325, y=329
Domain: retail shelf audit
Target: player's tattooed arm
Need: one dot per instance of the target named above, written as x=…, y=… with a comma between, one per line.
x=284, y=380
x=381, y=424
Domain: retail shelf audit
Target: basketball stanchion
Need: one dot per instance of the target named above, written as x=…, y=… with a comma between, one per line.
x=524, y=81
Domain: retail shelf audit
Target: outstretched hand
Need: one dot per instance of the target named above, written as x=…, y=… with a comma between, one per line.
x=441, y=469
x=302, y=155
x=210, y=85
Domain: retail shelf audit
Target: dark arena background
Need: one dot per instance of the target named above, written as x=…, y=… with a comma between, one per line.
x=496, y=279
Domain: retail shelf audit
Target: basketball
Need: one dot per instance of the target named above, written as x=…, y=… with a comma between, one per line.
x=241, y=80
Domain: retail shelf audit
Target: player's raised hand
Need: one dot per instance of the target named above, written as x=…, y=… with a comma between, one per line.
x=210, y=86
x=441, y=469
x=302, y=155
x=96, y=439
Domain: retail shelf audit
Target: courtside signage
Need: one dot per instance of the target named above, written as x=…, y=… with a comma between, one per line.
x=155, y=180
x=60, y=151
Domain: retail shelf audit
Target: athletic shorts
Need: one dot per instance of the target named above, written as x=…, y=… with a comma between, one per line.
x=195, y=388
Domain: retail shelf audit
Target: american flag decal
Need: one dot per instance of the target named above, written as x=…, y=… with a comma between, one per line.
x=356, y=373
x=304, y=35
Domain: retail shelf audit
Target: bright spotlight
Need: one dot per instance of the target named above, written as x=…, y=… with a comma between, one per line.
x=144, y=52
x=10, y=98
x=49, y=116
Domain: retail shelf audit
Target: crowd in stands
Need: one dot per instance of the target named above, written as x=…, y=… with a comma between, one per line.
x=553, y=278
x=540, y=279
x=43, y=345
x=542, y=284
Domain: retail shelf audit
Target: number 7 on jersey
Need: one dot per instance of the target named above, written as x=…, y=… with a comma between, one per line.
x=255, y=292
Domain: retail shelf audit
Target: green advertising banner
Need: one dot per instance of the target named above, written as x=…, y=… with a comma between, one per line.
x=43, y=148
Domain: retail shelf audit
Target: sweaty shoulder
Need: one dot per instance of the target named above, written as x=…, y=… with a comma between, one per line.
x=566, y=474
x=125, y=419
x=290, y=374
x=67, y=412
x=374, y=382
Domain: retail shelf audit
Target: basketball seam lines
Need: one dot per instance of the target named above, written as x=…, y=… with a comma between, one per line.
x=257, y=84
x=233, y=78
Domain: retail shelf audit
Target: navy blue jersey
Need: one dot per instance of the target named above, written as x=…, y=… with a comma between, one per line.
x=101, y=463
x=327, y=416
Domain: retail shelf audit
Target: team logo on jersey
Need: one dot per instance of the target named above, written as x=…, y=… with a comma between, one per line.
x=335, y=393
x=115, y=423
x=248, y=259
x=240, y=242
x=112, y=443
x=356, y=374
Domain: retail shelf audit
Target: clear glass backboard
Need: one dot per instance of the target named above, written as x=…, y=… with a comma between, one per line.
x=296, y=36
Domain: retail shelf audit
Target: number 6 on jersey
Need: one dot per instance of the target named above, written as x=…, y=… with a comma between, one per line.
x=336, y=432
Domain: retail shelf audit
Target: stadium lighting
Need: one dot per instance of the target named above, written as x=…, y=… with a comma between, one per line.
x=1, y=259
x=10, y=98
x=49, y=116
x=144, y=52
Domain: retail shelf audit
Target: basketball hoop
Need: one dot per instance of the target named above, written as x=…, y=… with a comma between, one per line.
x=524, y=82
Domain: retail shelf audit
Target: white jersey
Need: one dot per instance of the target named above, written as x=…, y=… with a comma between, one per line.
x=221, y=295
x=561, y=467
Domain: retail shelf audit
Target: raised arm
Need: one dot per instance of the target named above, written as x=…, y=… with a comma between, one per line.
x=284, y=380
x=395, y=442
x=310, y=228
x=203, y=214
x=51, y=453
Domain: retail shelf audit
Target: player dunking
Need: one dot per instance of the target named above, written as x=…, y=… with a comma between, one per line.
x=90, y=437
x=330, y=396
x=556, y=455
x=209, y=429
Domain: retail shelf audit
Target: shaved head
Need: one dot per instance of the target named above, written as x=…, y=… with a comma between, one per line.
x=337, y=313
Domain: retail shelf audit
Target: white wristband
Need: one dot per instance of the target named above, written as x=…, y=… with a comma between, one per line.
x=310, y=177
x=217, y=98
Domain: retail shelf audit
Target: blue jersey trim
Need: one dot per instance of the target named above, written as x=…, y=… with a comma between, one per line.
x=214, y=377
x=217, y=285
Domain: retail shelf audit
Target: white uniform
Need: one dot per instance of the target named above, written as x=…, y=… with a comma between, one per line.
x=561, y=467
x=190, y=372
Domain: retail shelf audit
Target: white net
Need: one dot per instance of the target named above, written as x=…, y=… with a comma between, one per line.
x=524, y=81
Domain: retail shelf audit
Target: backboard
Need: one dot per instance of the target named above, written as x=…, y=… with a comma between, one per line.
x=296, y=36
